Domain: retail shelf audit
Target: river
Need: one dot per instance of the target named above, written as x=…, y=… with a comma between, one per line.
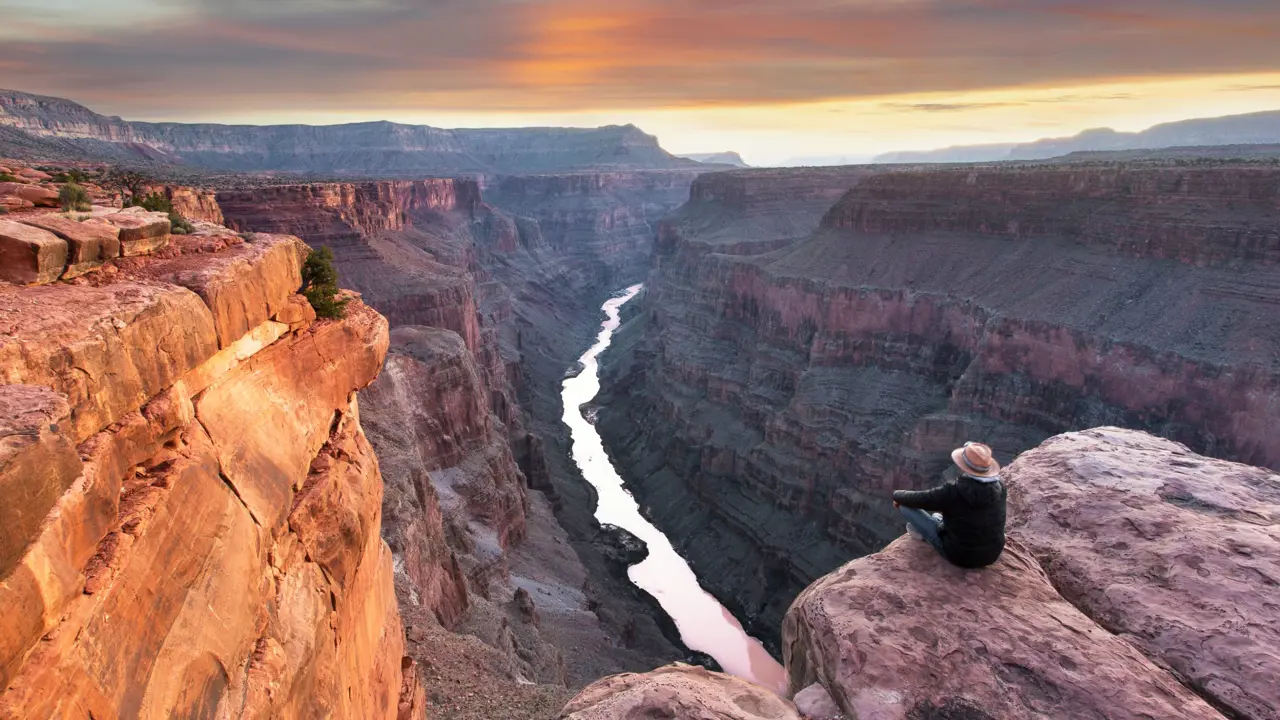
x=705, y=625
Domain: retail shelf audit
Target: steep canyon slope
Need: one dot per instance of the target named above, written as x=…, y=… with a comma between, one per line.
x=193, y=510
x=772, y=389
x=488, y=309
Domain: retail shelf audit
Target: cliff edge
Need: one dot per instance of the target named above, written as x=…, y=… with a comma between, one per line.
x=193, y=512
x=1139, y=581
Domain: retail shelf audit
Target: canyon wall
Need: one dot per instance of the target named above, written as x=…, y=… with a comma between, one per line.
x=488, y=310
x=196, y=510
x=770, y=391
x=380, y=149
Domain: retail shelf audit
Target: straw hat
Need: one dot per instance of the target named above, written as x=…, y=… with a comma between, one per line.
x=975, y=459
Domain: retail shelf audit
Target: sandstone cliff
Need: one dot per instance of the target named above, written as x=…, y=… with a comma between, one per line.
x=48, y=125
x=195, y=509
x=1138, y=582
x=782, y=387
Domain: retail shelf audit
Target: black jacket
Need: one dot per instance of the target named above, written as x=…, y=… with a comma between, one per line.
x=972, y=518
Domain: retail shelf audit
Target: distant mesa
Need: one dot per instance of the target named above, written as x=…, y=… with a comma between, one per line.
x=1261, y=128
x=720, y=158
x=57, y=129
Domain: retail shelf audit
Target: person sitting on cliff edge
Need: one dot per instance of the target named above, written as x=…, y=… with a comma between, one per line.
x=964, y=518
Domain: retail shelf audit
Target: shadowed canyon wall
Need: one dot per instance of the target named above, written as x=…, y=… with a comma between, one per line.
x=489, y=306
x=206, y=539
x=772, y=389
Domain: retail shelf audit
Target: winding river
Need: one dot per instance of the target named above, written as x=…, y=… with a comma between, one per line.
x=704, y=624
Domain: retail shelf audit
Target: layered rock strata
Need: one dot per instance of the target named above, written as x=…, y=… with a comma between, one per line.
x=764, y=404
x=58, y=127
x=202, y=536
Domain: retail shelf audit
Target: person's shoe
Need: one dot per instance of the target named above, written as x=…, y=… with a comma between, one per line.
x=913, y=532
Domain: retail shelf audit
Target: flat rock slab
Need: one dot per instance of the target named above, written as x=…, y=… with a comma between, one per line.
x=903, y=634
x=29, y=255
x=141, y=232
x=108, y=349
x=1178, y=553
x=38, y=462
x=90, y=243
x=34, y=194
x=677, y=691
x=244, y=285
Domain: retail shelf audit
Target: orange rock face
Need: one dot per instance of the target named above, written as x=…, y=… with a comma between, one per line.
x=89, y=243
x=29, y=255
x=212, y=547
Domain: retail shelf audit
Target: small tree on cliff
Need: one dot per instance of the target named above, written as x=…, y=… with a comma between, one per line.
x=320, y=284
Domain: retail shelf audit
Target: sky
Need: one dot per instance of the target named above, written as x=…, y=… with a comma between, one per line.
x=775, y=80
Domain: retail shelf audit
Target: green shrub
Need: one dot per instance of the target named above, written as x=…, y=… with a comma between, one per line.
x=179, y=223
x=6, y=177
x=320, y=285
x=74, y=197
x=71, y=176
x=152, y=202
x=4, y=209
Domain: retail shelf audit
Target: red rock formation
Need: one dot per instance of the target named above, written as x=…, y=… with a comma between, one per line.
x=1163, y=559
x=428, y=415
x=214, y=546
x=1175, y=552
x=194, y=204
x=904, y=634
x=793, y=390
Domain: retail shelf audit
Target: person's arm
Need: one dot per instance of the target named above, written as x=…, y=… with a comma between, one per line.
x=936, y=500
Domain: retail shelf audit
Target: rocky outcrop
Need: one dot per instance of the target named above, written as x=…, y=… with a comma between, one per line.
x=781, y=388
x=198, y=531
x=1175, y=552
x=380, y=149
x=904, y=634
x=677, y=691
x=1135, y=579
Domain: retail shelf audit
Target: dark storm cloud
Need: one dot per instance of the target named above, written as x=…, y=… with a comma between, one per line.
x=180, y=57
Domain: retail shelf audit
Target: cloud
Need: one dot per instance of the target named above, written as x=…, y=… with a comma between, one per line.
x=183, y=58
x=949, y=107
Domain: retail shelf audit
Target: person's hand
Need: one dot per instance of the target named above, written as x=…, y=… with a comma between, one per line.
x=896, y=505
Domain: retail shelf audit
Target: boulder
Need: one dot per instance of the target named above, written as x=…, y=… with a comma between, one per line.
x=904, y=634
x=297, y=313
x=89, y=243
x=34, y=194
x=1177, y=553
x=815, y=703
x=10, y=202
x=677, y=691
x=141, y=232
x=34, y=175
x=38, y=462
x=29, y=255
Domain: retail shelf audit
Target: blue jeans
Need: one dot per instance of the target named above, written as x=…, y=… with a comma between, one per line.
x=925, y=524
